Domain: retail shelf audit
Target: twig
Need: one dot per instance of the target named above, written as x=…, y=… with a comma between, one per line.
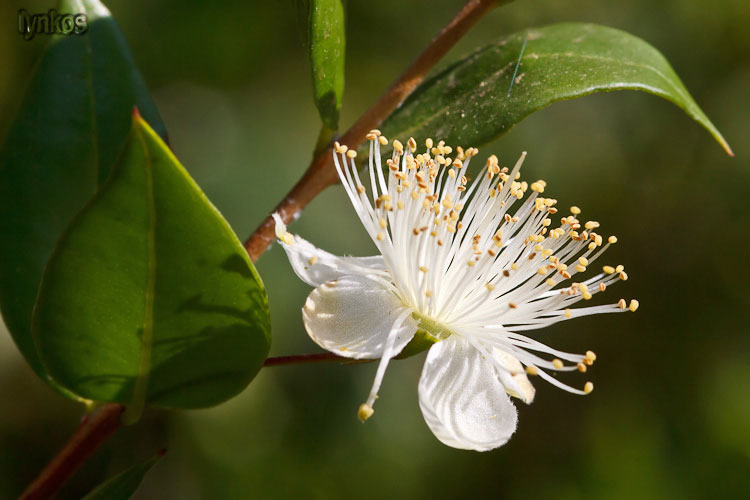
x=94, y=429
x=320, y=174
x=324, y=357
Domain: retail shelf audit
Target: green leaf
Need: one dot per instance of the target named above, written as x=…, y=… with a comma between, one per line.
x=327, y=44
x=123, y=485
x=149, y=297
x=481, y=97
x=70, y=128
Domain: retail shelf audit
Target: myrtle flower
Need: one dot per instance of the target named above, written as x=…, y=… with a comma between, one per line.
x=464, y=268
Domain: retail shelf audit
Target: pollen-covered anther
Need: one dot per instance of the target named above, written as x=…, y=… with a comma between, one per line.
x=532, y=370
x=339, y=148
x=592, y=224
x=365, y=411
x=608, y=269
x=581, y=367
x=612, y=239
x=588, y=387
x=423, y=269
x=591, y=356
x=568, y=313
x=537, y=186
x=558, y=364
x=622, y=304
x=633, y=305
x=312, y=260
x=575, y=210
x=382, y=140
x=351, y=154
x=397, y=146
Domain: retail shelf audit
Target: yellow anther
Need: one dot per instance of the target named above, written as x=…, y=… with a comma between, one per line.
x=592, y=246
x=532, y=370
x=583, y=261
x=575, y=210
x=619, y=268
x=365, y=411
x=383, y=222
x=428, y=142
x=591, y=356
x=312, y=260
x=376, y=132
x=381, y=236
x=490, y=286
x=382, y=140
x=602, y=287
x=592, y=224
x=287, y=238
x=412, y=144
x=398, y=146
x=423, y=269
x=608, y=269
x=550, y=282
x=558, y=364
x=351, y=154
x=514, y=266
x=586, y=295
x=568, y=313
x=542, y=270
x=612, y=239
x=588, y=387
x=633, y=305
x=547, y=252
x=580, y=268
x=512, y=305
x=622, y=304
x=582, y=287
x=581, y=367
x=624, y=276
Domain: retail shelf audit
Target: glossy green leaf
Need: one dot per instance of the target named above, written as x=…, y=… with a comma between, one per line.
x=123, y=485
x=482, y=96
x=68, y=133
x=149, y=297
x=327, y=45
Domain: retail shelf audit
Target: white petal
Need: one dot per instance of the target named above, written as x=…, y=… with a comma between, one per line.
x=462, y=400
x=353, y=315
x=315, y=266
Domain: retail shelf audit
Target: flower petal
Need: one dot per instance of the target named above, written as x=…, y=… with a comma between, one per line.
x=462, y=400
x=353, y=315
x=315, y=266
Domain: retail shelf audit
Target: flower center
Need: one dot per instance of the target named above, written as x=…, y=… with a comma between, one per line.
x=429, y=332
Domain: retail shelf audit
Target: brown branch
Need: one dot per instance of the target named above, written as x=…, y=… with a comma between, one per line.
x=321, y=174
x=323, y=357
x=93, y=430
x=98, y=426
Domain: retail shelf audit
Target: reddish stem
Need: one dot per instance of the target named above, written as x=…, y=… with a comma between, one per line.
x=321, y=174
x=323, y=357
x=93, y=430
x=96, y=427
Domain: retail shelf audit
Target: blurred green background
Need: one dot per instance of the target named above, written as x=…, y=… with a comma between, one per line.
x=670, y=417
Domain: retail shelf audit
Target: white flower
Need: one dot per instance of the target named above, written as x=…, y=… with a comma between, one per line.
x=463, y=268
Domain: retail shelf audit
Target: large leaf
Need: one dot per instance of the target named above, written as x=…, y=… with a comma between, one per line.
x=123, y=485
x=70, y=128
x=481, y=96
x=149, y=297
x=327, y=45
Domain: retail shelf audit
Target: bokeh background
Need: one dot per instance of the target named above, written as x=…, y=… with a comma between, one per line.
x=670, y=417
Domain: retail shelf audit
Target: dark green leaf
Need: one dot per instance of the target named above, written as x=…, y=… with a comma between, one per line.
x=123, y=485
x=149, y=297
x=70, y=128
x=480, y=97
x=327, y=44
